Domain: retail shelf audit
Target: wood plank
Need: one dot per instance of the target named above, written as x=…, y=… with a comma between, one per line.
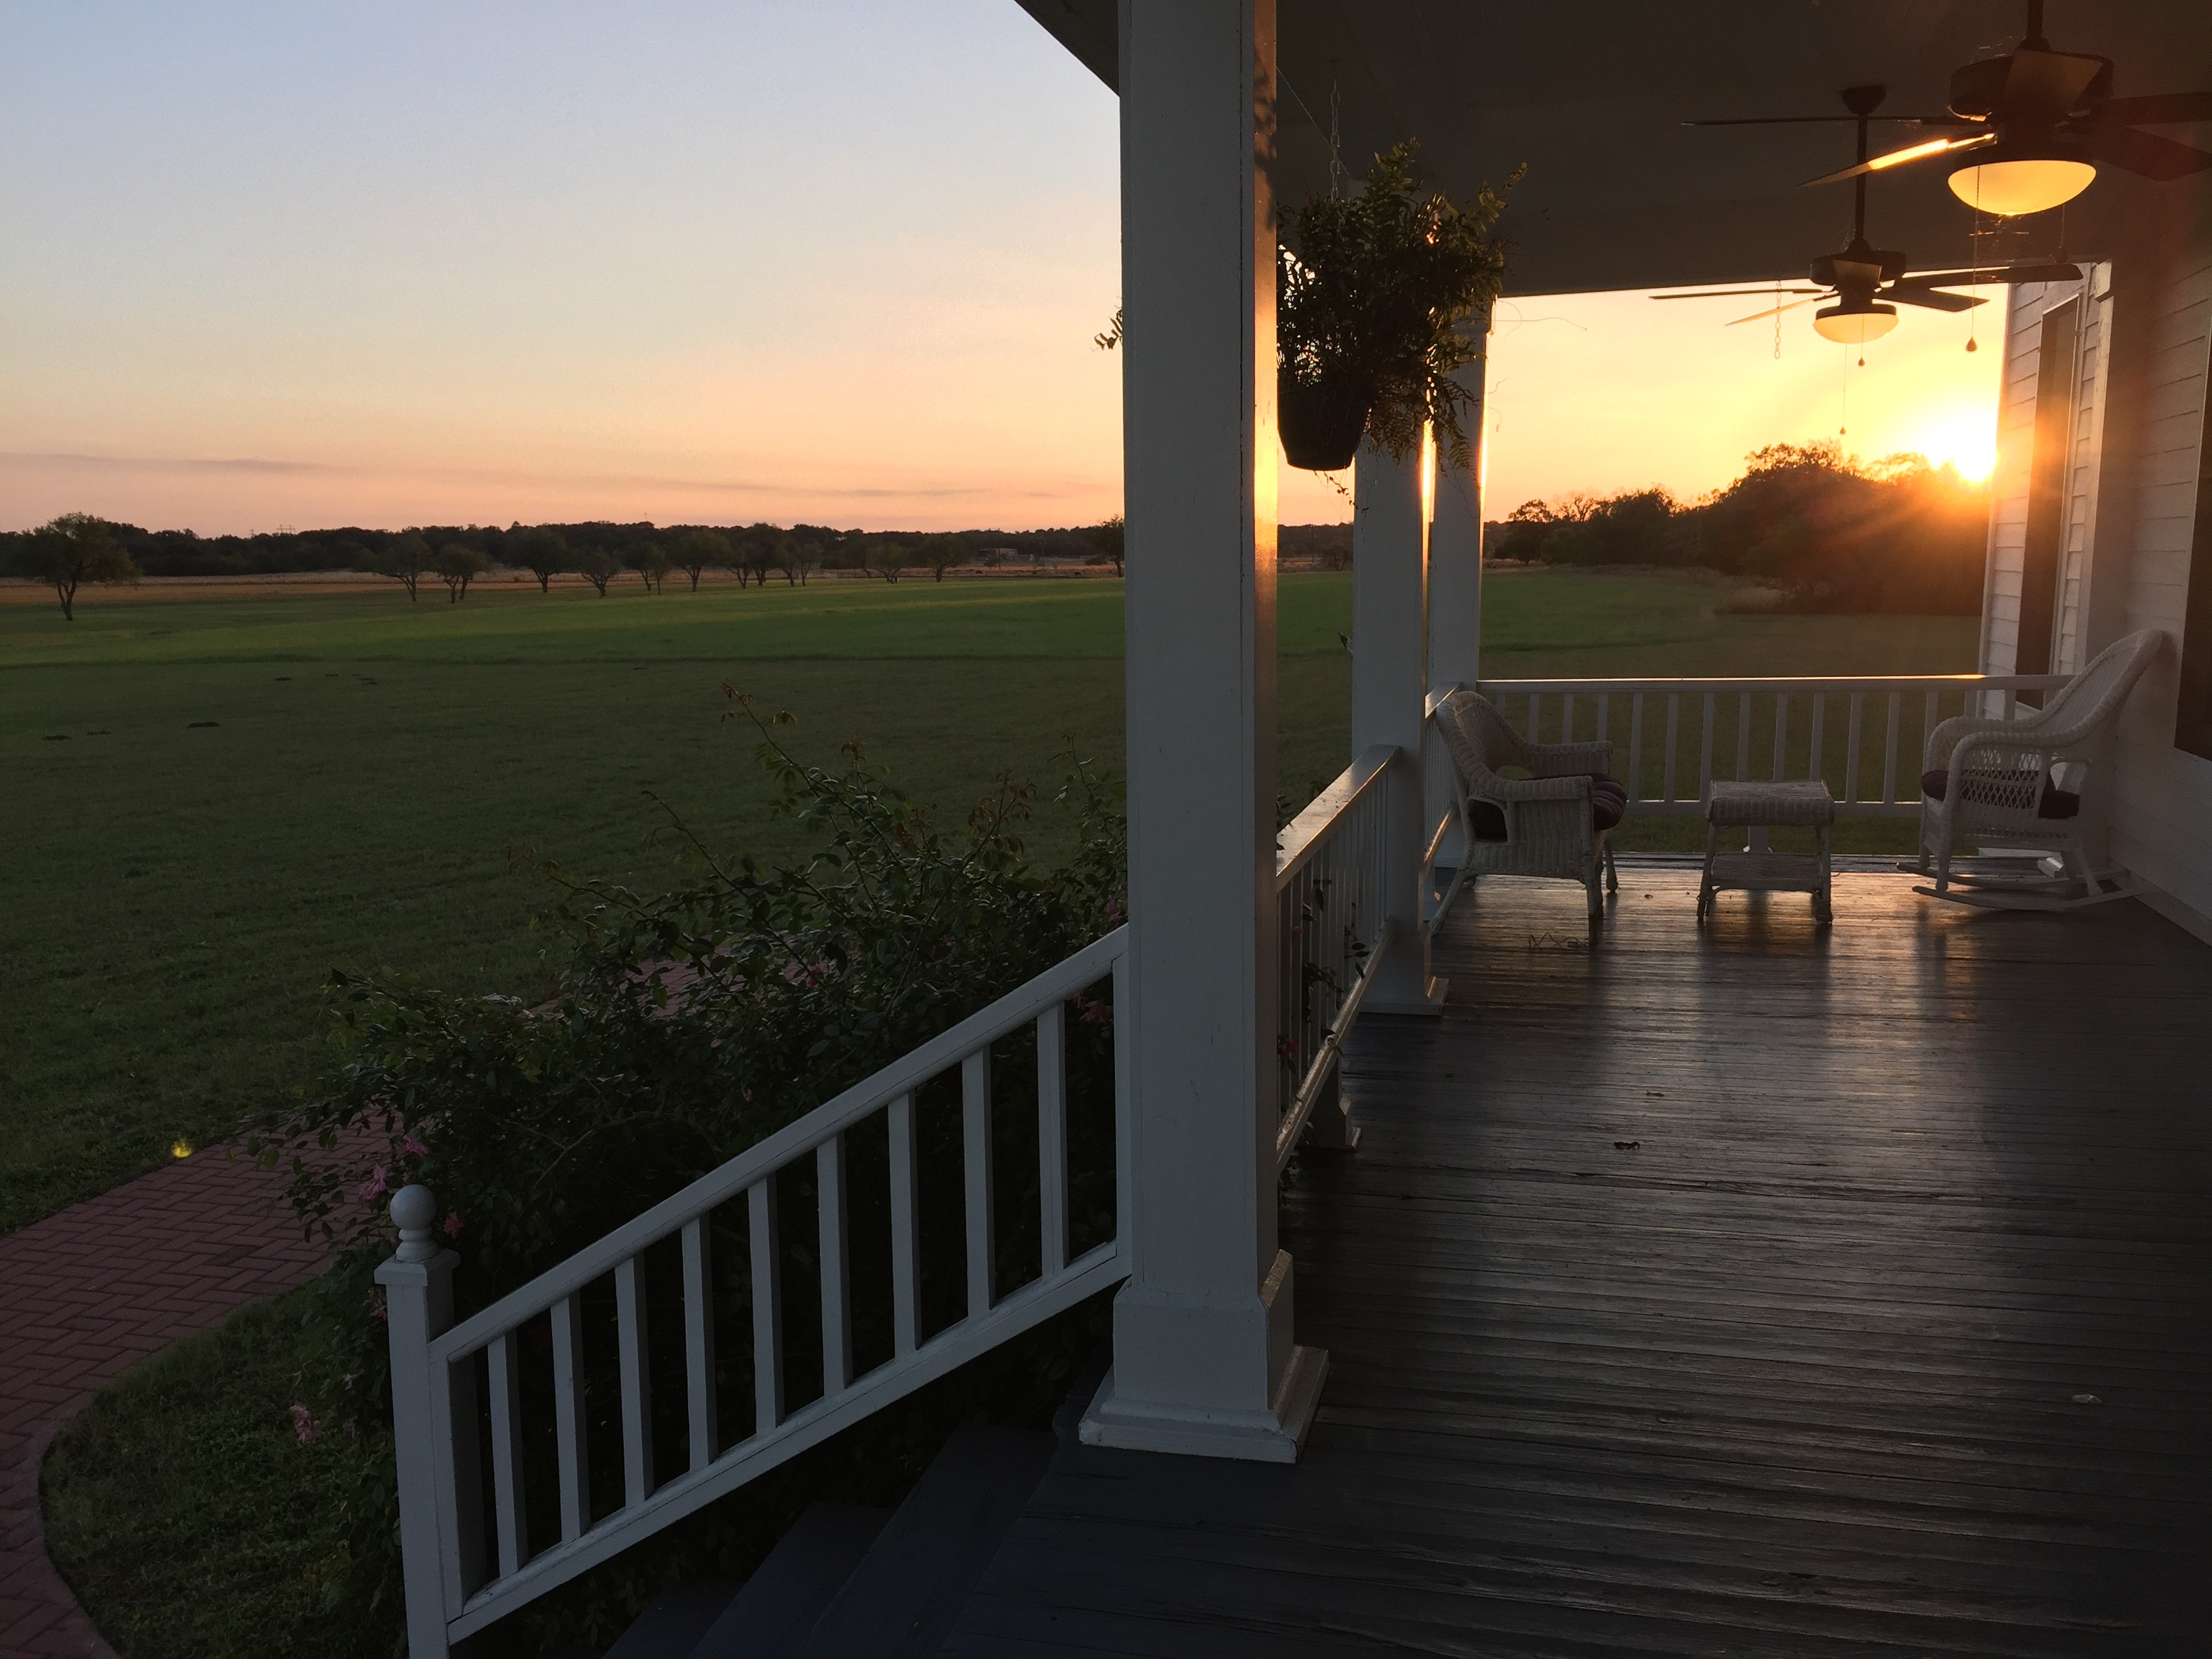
x=1721, y=1289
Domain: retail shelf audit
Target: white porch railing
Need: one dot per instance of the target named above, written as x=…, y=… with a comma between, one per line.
x=1669, y=734
x=1334, y=927
x=450, y=1385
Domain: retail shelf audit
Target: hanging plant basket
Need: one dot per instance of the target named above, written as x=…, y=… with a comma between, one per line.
x=1321, y=423
x=1374, y=294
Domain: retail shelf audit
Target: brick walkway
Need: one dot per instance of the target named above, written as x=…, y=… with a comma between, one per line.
x=86, y=1294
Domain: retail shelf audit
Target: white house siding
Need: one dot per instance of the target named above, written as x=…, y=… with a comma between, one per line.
x=2139, y=396
x=2008, y=553
x=2162, y=818
x=2084, y=468
x=2008, y=545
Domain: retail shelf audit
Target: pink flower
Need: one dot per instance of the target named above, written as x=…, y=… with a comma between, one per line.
x=412, y=1144
x=745, y=1093
x=380, y=1179
x=452, y=1227
x=1114, y=911
x=1091, y=1012
x=305, y=1429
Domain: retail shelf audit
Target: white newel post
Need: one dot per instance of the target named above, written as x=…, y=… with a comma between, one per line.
x=418, y=1303
x=1389, y=690
x=1455, y=584
x=1203, y=1359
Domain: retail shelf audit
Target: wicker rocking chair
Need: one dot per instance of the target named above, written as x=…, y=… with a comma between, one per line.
x=1555, y=821
x=2019, y=783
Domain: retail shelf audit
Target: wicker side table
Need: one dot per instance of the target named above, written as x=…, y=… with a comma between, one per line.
x=1769, y=805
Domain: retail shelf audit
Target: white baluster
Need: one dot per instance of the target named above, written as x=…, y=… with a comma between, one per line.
x=505, y=1376
x=1852, y=742
x=636, y=1382
x=975, y=1149
x=1052, y=1134
x=698, y=1342
x=568, y=1421
x=837, y=1272
x=906, y=1298
x=1889, y=750
x=1636, y=747
x=764, y=1214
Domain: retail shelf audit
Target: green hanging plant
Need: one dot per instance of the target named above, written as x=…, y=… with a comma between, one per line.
x=1373, y=291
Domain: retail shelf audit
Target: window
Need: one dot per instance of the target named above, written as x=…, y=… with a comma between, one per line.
x=2192, y=714
x=2049, y=468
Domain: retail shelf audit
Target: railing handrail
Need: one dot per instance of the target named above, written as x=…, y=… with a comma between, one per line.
x=787, y=1144
x=1307, y=834
x=1794, y=683
x=1763, y=700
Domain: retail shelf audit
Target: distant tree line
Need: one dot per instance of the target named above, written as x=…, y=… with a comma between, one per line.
x=599, y=553
x=1831, y=533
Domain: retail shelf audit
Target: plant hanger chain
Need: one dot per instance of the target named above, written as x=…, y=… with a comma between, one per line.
x=1336, y=171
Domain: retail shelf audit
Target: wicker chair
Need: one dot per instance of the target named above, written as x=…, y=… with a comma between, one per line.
x=1555, y=821
x=2019, y=783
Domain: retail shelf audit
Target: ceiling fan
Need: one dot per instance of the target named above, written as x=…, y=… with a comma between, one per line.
x=1867, y=284
x=2037, y=122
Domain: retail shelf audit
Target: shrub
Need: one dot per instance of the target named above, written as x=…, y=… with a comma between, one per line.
x=681, y=1030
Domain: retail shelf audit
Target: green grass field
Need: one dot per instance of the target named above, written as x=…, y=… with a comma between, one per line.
x=210, y=801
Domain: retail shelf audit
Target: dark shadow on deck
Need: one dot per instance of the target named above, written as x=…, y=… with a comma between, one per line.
x=1720, y=1292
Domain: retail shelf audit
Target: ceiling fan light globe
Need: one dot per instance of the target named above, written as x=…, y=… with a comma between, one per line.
x=1854, y=325
x=2009, y=187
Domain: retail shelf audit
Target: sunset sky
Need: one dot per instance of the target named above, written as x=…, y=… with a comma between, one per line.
x=381, y=264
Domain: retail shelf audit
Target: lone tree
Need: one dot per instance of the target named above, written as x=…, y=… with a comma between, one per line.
x=598, y=566
x=886, y=558
x=761, y=551
x=407, y=559
x=70, y=551
x=652, y=564
x=941, y=553
x=701, y=550
x=540, y=551
x=1106, y=538
x=457, y=566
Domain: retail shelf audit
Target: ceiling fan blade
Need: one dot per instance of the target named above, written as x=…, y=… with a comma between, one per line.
x=2156, y=108
x=1911, y=294
x=2146, y=154
x=1737, y=293
x=1761, y=316
x=1897, y=158
x=1793, y=120
x=1996, y=274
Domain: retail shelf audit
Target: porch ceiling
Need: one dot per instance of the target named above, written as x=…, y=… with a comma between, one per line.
x=1592, y=95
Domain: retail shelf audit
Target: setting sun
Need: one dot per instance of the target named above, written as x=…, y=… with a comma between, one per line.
x=1966, y=438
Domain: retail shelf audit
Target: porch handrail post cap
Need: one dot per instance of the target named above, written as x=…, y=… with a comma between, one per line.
x=415, y=1212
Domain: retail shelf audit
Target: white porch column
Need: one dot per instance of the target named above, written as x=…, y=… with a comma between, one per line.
x=1455, y=584
x=1455, y=547
x=1203, y=1359
x=1389, y=690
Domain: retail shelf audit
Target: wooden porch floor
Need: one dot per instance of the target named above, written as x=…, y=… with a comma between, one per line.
x=1760, y=1291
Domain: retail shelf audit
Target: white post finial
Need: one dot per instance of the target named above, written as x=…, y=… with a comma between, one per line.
x=414, y=1211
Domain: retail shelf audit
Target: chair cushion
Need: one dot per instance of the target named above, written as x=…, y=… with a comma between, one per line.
x=2057, y=803
x=1608, y=805
x=1486, y=818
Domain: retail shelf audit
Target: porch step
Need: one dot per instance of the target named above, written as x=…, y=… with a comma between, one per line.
x=848, y=1582
x=671, y=1627
x=786, y=1597
x=905, y=1596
